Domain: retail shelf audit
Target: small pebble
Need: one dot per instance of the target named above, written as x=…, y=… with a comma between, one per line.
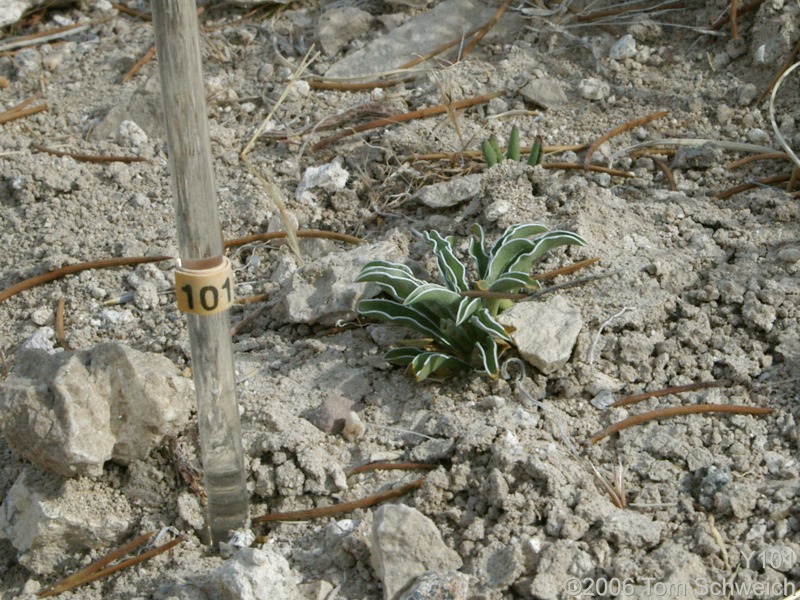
x=758, y=136
x=594, y=89
x=624, y=48
x=789, y=255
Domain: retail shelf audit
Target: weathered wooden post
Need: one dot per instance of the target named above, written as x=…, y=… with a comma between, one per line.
x=203, y=278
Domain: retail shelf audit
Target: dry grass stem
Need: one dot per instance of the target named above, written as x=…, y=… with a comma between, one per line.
x=401, y=118
x=620, y=129
x=485, y=29
x=61, y=336
x=23, y=109
x=89, y=157
x=96, y=571
x=390, y=466
x=756, y=157
x=666, y=392
x=146, y=58
x=661, y=164
x=763, y=181
x=675, y=411
x=342, y=507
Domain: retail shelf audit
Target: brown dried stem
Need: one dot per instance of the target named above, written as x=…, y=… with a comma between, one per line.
x=786, y=64
x=667, y=173
x=485, y=29
x=96, y=571
x=342, y=507
x=725, y=19
x=21, y=110
x=666, y=392
x=755, y=157
x=401, y=118
x=617, y=130
x=738, y=189
x=146, y=58
x=138, y=260
x=89, y=157
x=675, y=411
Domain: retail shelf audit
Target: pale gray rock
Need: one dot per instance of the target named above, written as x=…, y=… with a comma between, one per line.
x=147, y=396
x=46, y=517
x=324, y=291
x=632, y=529
x=546, y=332
x=438, y=585
x=11, y=11
x=70, y=412
x=406, y=544
x=594, y=89
x=558, y=563
x=450, y=193
x=142, y=105
x=420, y=35
x=338, y=26
x=53, y=416
x=623, y=48
x=329, y=177
x=546, y=93
x=253, y=574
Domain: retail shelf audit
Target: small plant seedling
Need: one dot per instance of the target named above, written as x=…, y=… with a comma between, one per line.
x=493, y=155
x=461, y=332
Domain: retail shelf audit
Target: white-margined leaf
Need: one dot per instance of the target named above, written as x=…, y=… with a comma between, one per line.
x=484, y=321
x=402, y=356
x=513, y=232
x=524, y=262
x=409, y=316
x=453, y=271
x=466, y=308
x=513, y=282
x=436, y=298
x=489, y=356
x=505, y=256
x=393, y=278
x=477, y=249
x=436, y=364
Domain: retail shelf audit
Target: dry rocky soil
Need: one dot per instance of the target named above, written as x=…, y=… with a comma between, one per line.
x=100, y=437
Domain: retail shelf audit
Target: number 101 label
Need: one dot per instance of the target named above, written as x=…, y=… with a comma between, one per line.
x=206, y=291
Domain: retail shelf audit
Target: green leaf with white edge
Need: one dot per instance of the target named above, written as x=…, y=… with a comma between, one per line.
x=513, y=282
x=477, y=249
x=409, y=316
x=433, y=293
x=489, y=357
x=452, y=270
x=390, y=278
x=501, y=261
x=521, y=230
x=467, y=308
x=437, y=364
x=484, y=321
x=524, y=262
x=402, y=356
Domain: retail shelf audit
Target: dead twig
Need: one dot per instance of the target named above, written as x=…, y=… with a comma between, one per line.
x=763, y=181
x=401, y=118
x=725, y=19
x=23, y=109
x=748, y=159
x=96, y=571
x=125, y=261
x=675, y=411
x=146, y=58
x=666, y=392
x=786, y=64
x=613, y=12
x=617, y=130
x=485, y=29
x=342, y=507
x=89, y=157
x=667, y=173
